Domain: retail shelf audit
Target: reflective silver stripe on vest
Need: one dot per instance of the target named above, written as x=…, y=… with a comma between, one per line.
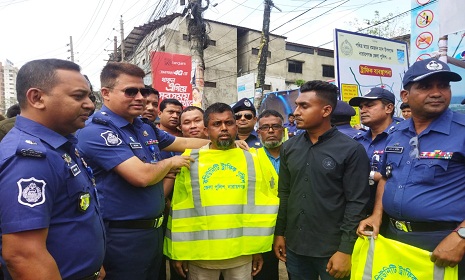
x=218, y=234
x=438, y=272
x=223, y=209
x=199, y=210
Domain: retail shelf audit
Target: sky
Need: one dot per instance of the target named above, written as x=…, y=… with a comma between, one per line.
x=35, y=29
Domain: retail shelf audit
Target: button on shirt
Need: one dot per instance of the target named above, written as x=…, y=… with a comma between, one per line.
x=431, y=187
x=375, y=151
x=323, y=190
x=42, y=179
x=107, y=141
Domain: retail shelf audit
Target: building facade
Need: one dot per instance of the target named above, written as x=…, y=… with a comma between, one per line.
x=232, y=52
x=8, y=73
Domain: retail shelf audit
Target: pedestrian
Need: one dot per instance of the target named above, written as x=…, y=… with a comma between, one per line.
x=422, y=190
x=323, y=190
x=49, y=216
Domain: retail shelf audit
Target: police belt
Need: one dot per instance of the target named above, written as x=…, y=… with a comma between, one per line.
x=422, y=226
x=137, y=224
x=93, y=276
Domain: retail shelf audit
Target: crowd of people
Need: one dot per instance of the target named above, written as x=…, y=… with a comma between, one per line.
x=225, y=193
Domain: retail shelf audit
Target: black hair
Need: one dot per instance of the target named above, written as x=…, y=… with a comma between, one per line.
x=153, y=91
x=112, y=70
x=167, y=101
x=218, y=107
x=40, y=74
x=191, y=108
x=404, y=105
x=270, y=112
x=324, y=90
x=13, y=111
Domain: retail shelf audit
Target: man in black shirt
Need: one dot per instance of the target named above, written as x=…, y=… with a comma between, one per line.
x=323, y=190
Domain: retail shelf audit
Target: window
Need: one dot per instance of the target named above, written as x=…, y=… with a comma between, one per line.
x=294, y=66
x=327, y=53
x=255, y=51
x=328, y=71
x=210, y=84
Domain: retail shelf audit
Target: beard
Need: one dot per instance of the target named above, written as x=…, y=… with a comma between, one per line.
x=272, y=144
x=225, y=144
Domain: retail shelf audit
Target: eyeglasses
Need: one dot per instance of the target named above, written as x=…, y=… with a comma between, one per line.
x=414, y=153
x=131, y=92
x=247, y=116
x=267, y=127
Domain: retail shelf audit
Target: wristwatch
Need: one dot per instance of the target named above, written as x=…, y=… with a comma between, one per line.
x=460, y=231
x=371, y=178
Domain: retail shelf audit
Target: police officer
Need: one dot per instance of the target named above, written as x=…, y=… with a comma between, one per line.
x=246, y=118
x=341, y=118
x=422, y=189
x=49, y=218
x=376, y=113
x=125, y=152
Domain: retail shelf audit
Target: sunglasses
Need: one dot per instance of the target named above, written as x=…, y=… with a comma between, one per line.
x=247, y=116
x=132, y=92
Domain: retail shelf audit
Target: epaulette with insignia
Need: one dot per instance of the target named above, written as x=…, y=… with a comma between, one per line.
x=101, y=118
x=458, y=118
x=392, y=129
x=358, y=136
x=29, y=146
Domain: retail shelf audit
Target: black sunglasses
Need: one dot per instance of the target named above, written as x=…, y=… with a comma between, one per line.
x=132, y=92
x=247, y=116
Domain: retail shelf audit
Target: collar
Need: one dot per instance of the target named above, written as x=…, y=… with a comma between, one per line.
x=120, y=121
x=441, y=124
x=328, y=134
x=270, y=155
x=47, y=135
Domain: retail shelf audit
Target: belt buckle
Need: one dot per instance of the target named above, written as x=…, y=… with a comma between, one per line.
x=158, y=222
x=403, y=226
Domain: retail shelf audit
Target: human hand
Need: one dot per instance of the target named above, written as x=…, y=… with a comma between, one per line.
x=369, y=226
x=102, y=273
x=242, y=144
x=180, y=161
x=339, y=265
x=449, y=251
x=279, y=247
x=257, y=264
x=180, y=267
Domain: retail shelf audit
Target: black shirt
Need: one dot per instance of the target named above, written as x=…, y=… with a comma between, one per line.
x=323, y=190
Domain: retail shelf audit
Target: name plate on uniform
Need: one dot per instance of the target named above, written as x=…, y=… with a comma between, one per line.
x=135, y=145
x=397, y=150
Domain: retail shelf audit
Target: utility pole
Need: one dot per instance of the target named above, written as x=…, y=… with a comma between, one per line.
x=115, y=48
x=122, y=37
x=71, y=48
x=198, y=42
x=263, y=53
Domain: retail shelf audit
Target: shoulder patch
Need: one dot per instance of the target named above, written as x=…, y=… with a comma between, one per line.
x=392, y=129
x=31, y=191
x=30, y=146
x=111, y=138
x=101, y=118
x=459, y=118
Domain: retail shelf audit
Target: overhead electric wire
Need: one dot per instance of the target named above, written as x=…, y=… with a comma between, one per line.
x=299, y=53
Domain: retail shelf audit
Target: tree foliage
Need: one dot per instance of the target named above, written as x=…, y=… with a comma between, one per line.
x=381, y=26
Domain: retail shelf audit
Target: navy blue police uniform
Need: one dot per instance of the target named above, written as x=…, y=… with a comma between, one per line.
x=132, y=215
x=424, y=191
x=45, y=183
x=341, y=118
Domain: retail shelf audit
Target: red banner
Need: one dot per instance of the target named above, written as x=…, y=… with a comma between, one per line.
x=171, y=75
x=375, y=71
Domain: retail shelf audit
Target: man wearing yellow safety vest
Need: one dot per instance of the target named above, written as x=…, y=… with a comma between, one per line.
x=224, y=207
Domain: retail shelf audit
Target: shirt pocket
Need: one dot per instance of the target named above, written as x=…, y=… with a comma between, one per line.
x=425, y=170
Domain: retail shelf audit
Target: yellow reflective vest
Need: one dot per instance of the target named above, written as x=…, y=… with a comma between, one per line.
x=225, y=206
x=388, y=259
